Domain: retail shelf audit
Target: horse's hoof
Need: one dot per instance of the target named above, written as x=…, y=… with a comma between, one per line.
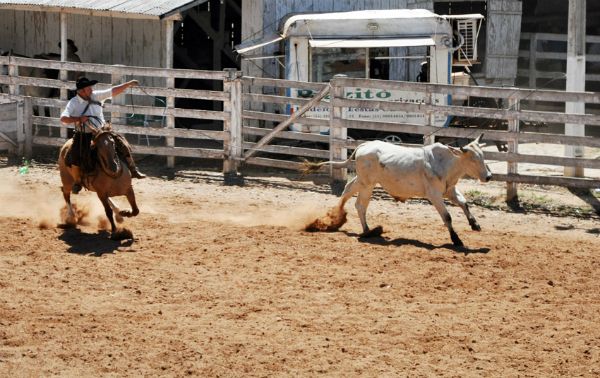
x=121, y=234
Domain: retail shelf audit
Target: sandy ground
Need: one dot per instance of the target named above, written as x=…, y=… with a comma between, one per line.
x=222, y=281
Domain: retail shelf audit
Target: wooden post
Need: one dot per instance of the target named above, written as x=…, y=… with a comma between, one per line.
x=63, y=58
x=575, y=78
x=232, y=145
x=337, y=138
x=430, y=138
x=28, y=126
x=533, y=40
x=170, y=83
x=20, y=128
x=13, y=70
x=513, y=147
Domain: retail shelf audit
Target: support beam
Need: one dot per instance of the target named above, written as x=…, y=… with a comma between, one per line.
x=233, y=142
x=170, y=83
x=337, y=136
x=63, y=58
x=513, y=147
x=575, y=77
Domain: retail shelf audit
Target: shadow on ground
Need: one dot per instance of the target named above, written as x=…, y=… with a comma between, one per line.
x=97, y=244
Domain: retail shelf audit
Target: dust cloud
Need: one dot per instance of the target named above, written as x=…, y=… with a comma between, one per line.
x=295, y=218
x=19, y=198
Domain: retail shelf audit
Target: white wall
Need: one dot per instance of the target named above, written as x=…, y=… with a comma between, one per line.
x=103, y=40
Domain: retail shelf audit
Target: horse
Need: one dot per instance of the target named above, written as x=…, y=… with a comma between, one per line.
x=111, y=177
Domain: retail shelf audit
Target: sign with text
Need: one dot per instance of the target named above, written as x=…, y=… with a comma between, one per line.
x=370, y=114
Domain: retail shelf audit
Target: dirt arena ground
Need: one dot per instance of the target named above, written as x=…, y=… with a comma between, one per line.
x=222, y=281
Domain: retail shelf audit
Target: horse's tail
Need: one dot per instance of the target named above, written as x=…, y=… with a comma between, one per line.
x=310, y=167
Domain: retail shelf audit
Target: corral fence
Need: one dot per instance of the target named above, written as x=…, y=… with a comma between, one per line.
x=339, y=124
x=146, y=113
x=252, y=128
x=543, y=61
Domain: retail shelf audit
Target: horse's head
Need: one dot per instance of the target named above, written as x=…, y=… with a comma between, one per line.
x=106, y=151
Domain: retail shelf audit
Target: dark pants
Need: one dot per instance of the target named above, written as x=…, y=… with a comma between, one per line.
x=81, y=154
x=122, y=147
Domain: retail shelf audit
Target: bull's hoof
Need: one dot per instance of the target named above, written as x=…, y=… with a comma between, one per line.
x=372, y=233
x=456, y=240
x=458, y=243
x=475, y=226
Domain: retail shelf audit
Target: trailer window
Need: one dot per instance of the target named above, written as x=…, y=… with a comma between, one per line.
x=327, y=62
x=383, y=63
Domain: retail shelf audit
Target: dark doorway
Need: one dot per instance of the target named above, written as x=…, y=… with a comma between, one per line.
x=204, y=40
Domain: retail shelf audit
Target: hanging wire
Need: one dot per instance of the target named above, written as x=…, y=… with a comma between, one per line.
x=259, y=31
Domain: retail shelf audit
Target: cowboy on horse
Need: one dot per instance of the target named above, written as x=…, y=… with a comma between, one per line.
x=85, y=111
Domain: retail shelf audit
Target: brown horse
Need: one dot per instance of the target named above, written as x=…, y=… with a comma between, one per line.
x=110, y=178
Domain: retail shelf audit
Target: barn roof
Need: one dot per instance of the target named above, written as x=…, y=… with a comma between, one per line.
x=155, y=9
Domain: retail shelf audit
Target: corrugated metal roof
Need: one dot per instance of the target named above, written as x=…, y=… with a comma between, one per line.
x=154, y=8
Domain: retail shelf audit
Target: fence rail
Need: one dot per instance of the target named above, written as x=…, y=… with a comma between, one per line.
x=544, y=56
x=511, y=114
x=138, y=106
x=254, y=126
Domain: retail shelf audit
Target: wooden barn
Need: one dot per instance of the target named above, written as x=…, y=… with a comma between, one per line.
x=193, y=34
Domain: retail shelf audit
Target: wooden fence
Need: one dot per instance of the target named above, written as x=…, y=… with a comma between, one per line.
x=543, y=61
x=339, y=144
x=248, y=134
x=156, y=121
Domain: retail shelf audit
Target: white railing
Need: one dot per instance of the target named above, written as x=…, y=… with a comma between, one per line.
x=543, y=61
x=250, y=135
x=511, y=134
x=166, y=131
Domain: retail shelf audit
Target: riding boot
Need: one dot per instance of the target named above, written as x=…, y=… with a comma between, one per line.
x=76, y=171
x=135, y=173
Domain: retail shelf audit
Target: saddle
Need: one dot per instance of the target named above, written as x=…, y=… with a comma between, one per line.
x=88, y=163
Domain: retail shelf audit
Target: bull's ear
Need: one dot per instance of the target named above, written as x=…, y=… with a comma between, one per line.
x=479, y=138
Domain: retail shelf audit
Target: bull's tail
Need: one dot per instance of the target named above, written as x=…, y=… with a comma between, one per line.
x=310, y=167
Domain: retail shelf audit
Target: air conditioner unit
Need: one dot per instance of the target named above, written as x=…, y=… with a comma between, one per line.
x=465, y=28
x=468, y=30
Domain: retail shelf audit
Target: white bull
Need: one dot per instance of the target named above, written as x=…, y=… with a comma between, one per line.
x=428, y=172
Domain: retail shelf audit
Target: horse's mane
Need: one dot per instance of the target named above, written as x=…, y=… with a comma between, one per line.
x=107, y=129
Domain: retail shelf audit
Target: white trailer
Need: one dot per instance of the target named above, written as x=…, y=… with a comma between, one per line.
x=397, y=44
